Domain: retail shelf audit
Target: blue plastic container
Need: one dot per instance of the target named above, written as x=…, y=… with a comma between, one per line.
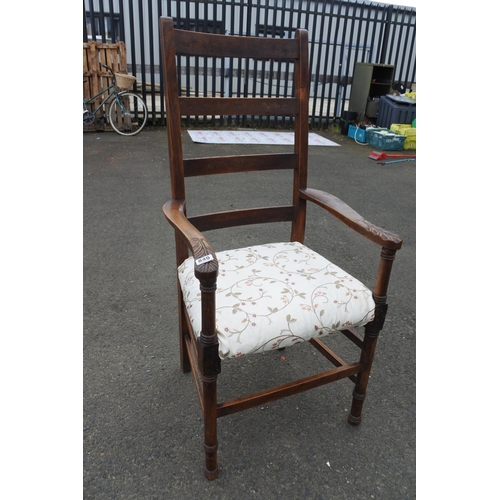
x=359, y=134
x=393, y=111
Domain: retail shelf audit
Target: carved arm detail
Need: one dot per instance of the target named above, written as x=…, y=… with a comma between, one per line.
x=206, y=266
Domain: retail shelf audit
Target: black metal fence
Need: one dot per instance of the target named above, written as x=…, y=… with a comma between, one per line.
x=341, y=33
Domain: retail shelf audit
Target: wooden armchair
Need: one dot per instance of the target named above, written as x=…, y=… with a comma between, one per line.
x=240, y=301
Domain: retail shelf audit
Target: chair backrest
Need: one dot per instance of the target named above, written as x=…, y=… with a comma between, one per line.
x=177, y=43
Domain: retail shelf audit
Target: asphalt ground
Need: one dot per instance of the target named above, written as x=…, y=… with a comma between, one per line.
x=142, y=422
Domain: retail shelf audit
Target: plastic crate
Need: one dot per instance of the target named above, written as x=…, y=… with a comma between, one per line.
x=391, y=111
x=409, y=132
x=371, y=130
x=387, y=142
x=356, y=133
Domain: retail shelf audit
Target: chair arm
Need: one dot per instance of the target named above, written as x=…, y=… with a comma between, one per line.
x=206, y=266
x=351, y=218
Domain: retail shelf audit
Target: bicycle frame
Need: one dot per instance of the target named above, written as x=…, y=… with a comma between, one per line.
x=112, y=93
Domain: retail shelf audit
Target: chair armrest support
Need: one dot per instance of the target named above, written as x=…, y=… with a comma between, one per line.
x=343, y=212
x=206, y=266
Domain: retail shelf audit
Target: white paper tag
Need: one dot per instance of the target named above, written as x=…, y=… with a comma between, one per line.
x=203, y=260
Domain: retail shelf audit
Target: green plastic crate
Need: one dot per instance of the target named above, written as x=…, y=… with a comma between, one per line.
x=371, y=130
x=387, y=142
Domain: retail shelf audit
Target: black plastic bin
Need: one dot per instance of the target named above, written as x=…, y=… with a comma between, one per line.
x=348, y=118
x=395, y=110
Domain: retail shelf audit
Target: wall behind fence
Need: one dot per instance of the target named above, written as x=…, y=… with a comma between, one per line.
x=341, y=33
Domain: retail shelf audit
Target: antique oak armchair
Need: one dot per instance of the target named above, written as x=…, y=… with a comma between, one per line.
x=236, y=302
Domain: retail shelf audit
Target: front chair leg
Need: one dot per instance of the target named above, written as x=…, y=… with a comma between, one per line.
x=210, y=366
x=209, y=363
x=359, y=393
x=372, y=331
x=210, y=424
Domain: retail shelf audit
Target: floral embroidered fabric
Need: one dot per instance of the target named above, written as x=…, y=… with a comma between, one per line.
x=277, y=295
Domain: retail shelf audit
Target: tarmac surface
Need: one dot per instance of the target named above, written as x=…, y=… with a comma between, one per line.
x=142, y=422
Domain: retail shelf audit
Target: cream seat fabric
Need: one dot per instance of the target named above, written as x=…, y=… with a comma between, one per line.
x=316, y=298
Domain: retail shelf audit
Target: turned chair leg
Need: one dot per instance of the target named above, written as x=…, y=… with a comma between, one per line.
x=210, y=366
x=372, y=331
x=210, y=423
x=359, y=393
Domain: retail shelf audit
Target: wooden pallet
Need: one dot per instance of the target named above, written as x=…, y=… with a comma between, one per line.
x=97, y=78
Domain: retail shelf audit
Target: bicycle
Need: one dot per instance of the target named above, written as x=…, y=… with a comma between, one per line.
x=127, y=112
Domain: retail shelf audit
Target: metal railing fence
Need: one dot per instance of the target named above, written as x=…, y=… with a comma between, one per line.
x=341, y=33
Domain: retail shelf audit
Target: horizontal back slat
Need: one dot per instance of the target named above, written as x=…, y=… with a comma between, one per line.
x=199, y=44
x=209, y=106
x=243, y=163
x=221, y=220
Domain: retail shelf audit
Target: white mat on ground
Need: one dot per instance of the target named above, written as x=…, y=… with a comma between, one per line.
x=253, y=137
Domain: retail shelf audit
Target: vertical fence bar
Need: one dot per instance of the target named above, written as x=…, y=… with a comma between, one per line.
x=373, y=32
x=291, y=34
x=131, y=50
x=318, y=77
x=102, y=24
x=347, y=67
x=379, y=33
x=231, y=60
x=196, y=76
x=255, y=67
x=342, y=21
x=92, y=20
x=142, y=43
x=392, y=28
x=152, y=69
x=121, y=21
x=162, y=120
x=278, y=63
x=240, y=69
x=112, y=21
x=367, y=33
x=85, y=35
x=312, y=47
x=337, y=68
x=247, y=32
x=223, y=61
x=264, y=63
x=385, y=34
x=327, y=75
x=334, y=77
x=404, y=47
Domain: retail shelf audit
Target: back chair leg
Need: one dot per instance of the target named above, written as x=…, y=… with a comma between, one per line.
x=183, y=334
x=181, y=255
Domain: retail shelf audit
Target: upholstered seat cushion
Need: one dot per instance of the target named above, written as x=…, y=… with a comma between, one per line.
x=276, y=295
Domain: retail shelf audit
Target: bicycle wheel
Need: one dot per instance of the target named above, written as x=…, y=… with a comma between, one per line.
x=128, y=113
